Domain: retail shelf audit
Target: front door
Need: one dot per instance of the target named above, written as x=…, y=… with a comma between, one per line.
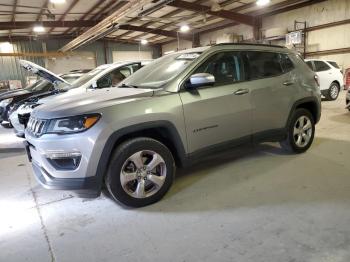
x=220, y=113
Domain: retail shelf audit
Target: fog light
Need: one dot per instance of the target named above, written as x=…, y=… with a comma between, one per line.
x=64, y=160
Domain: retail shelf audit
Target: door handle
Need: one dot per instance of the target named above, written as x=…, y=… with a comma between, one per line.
x=241, y=92
x=288, y=83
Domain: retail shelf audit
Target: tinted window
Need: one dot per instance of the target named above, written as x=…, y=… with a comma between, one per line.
x=263, y=64
x=226, y=67
x=333, y=64
x=287, y=64
x=309, y=63
x=321, y=66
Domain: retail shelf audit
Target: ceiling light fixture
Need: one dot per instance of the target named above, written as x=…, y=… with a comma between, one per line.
x=184, y=28
x=144, y=42
x=58, y=1
x=262, y=2
x=38, y=29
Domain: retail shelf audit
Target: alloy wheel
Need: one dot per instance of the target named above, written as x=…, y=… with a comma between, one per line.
x=143, y=174
x=334, y=91
x=302, y=132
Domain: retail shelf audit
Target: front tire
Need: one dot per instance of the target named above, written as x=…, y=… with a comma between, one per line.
x=333, y=92
x=140, y=172
x=300, y=133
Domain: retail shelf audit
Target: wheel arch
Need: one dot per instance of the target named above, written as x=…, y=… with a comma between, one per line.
x=311, y=104
x=163, y=131
x=337, y=82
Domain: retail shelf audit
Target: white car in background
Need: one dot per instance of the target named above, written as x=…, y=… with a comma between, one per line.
x=330, y=77
x=100, y=77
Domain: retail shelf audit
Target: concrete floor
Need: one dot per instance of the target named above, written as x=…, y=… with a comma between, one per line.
x=252, y=204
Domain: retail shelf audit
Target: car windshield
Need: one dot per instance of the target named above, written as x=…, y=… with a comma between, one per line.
x=160, y=71
x=87, y=77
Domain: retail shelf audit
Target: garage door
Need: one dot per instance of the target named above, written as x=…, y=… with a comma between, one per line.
x=78, y=60
x=131, y=55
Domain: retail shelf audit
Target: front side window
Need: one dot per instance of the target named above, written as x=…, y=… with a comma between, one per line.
x=114, y=77
x=263, y=64
x=226, y=67
x=321, y=66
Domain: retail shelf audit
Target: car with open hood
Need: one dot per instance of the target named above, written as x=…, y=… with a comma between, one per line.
x=103, y=76
x=19, y=112
x=48, y=82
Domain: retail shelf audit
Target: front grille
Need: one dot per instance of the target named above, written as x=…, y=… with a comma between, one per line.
x=36, y=126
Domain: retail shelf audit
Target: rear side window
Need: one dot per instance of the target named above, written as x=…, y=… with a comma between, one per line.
x=226, y=67
x=321, y=66
x=333, y=64
x=287, y=64
x=309, y=63
x=263, y=64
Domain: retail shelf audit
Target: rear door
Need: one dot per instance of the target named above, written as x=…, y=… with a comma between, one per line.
x=272, y=82
x=219, y=113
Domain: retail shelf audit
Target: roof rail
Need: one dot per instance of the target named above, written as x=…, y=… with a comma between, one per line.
x=253, y=44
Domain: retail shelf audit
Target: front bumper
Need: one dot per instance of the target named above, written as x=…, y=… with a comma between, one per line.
x=82, y=178
x=82, y=187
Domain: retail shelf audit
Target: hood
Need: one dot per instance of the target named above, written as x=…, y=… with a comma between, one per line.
x=64, y=95
x=13, y=93
x=89, y=102
x=35, y=98
x=42, y=72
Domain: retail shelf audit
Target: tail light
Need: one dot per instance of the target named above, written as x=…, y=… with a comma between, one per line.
x=317, y=80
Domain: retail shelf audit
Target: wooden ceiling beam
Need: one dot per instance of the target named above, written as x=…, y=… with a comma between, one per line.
x=234, y=16
x=70, y=7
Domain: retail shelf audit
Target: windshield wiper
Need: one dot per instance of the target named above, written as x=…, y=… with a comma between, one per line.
x=127, y=86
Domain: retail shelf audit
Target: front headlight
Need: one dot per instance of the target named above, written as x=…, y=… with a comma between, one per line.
x=73, y=124
x=5, y=102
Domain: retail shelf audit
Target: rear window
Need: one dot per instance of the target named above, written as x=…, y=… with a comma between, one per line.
x=287, y=64
x=263, y=64
x=309, y=63
x=333, y=64
x=321, y=66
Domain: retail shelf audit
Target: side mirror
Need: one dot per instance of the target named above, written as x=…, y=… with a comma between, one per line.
x=200, y=79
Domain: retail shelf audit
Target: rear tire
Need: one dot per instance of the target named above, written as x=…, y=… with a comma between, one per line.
x=140, y=172
x=300, y=133
x=333, y=92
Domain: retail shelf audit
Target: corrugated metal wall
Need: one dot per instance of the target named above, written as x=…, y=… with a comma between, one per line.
x=10, y=69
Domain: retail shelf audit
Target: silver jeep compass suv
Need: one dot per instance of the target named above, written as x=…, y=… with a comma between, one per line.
x=178, y=108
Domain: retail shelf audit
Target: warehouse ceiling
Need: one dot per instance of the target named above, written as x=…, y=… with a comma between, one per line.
x=158, y=21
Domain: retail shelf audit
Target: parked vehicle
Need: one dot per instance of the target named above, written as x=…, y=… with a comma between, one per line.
x=107, y=75
x=347, y=99
x=177, y=109
x=330, y=76
x=19, y=112
x=51, y=82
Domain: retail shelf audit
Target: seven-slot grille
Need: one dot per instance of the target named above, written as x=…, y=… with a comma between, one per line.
x=36, y=126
